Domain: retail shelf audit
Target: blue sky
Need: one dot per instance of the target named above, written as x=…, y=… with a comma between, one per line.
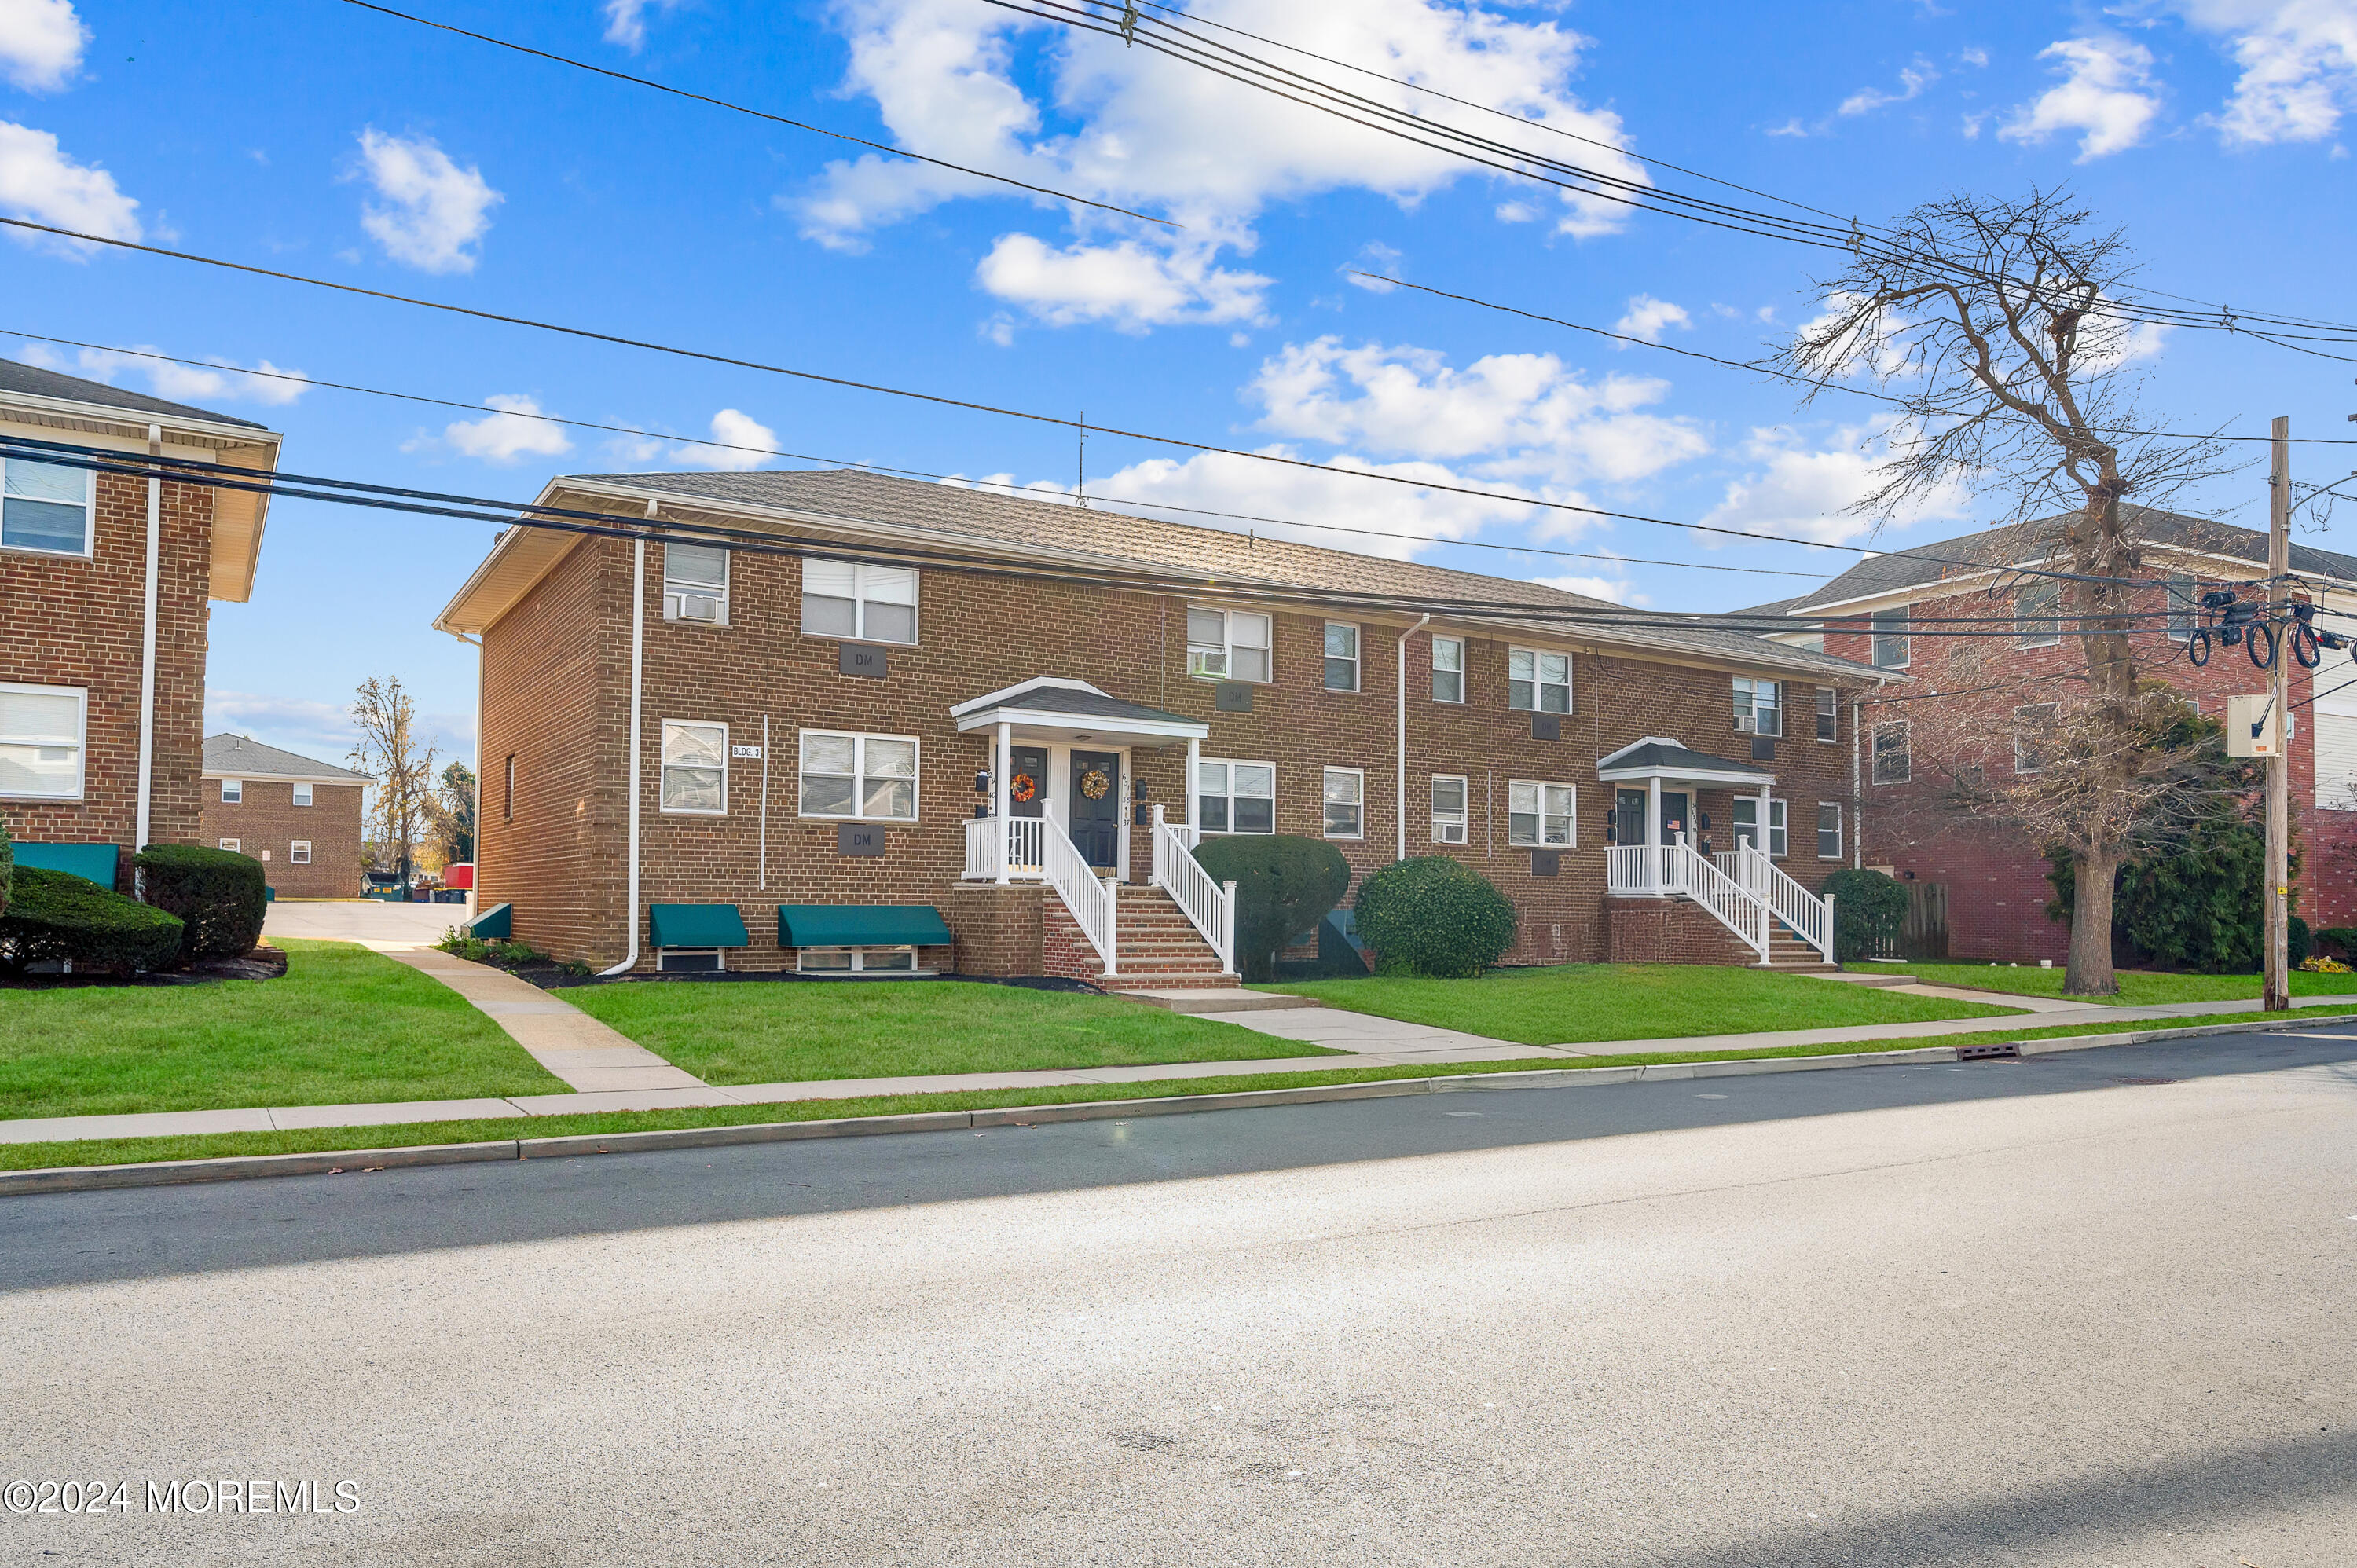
x=324, y=139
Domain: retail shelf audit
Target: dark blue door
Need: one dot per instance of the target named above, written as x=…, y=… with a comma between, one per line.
x=1096, y=808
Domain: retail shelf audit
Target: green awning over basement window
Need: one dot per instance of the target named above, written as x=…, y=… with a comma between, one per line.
x=861, y=926
x=697, y=926
x=95, y=861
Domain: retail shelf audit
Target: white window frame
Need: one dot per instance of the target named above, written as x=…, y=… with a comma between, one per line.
x=859, y=961
x=1537, y=681
x=1354, y=658
x=81, y=741
x=1884, y=639
x=860, y=776
x=1570, y=815
x=677, y=589
x=1834, y=807
x=2180, y=605
x=302, y=796
x=1905, y=753
x=1209, y=661
x=1779, y=838
x=1749, y=711
x=234, y=846
x=2023, y=723
x=233, y=791
x=1440, y=670
x=89, y=515
x=719, y=956
x=1461, y=819
x=1829, y=714
x=860, y=602
x=298, y=852
x=663, y=765
x=1357, y=777
x=1229, y=796
x=2026, y=614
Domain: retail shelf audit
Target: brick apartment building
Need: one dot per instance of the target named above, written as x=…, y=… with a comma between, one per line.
x=1982, y=891
x=298, y=816
x=105, y=587
x=883, y=713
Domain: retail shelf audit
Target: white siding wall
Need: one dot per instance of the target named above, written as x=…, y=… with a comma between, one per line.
x=2336, y=753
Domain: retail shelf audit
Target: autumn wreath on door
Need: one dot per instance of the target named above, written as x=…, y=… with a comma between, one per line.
x=1094, y=783
x=1023, y=786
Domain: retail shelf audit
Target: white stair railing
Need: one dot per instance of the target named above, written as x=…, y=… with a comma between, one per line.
x=1209, y=906
x=1068, y=871
x=1734, y=905
x=1810, y=916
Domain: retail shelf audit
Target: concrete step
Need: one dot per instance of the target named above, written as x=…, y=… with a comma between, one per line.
x=1203, y=999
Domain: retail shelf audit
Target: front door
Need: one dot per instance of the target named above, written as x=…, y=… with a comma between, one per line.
x=1027, y=780
x=1629, y=817
x=1096, y=808
x=1674, y=815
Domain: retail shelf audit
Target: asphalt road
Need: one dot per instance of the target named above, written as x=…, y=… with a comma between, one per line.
x=2084, y=1310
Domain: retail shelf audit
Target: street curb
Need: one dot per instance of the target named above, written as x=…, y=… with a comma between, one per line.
x=241, y=1167
x=2146, y=1037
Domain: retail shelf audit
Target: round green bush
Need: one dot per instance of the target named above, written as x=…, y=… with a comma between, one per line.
x=217, y=893
x=1285, y=886
x=7, y=865
x=1434, y=916
x=1869, y=908
x=55, y=916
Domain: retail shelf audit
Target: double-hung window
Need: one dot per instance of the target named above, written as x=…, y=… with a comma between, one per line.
x=872, y=778
x=1892, y=762
x=46, y=507
x=1448, y=668
x=301, y=794
x=1538, y=682
x=299, y=852
x=2037, y=614
x=1539, y=815
x=1829, y=844
x=1759, y=706
x=1890, y=630
x=1747, y=824
x=235, y=846
x=2033, y=737
x=1449, y=794
x=695, y=583
x=1227, y=645
x=41, y=733
x=233, y=791
x=1346, y=803
x=860, y=600
x=1828, y=713
x=2184, y=610
x=1341, y=656
x=1235, y=797
x=695, y=768
x=507, y=801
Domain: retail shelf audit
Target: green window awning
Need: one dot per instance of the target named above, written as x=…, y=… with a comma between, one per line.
x=95, y=861
x=497, y=921
x=697, y=926
x=861, y=926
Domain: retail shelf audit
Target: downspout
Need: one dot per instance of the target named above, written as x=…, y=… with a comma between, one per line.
x=475, y=850
x=638, y=654
x=147, y=642
x=1399, y=777
x=1857, y=790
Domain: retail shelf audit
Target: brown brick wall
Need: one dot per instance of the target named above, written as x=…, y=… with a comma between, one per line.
x=556, y=695
x=267, y=822
x=1672, y=930
x=997, y=930
x=66, y=621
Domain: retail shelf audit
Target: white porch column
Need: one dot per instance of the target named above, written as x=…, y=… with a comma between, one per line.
x=1654, y=833
x=1194, y=773
x=998, y=789
x=1763, y=843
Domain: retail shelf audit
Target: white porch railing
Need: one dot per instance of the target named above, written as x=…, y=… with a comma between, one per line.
x=1068, y=871
x=1013, y=843
x=1810, y=916
x=1679, y=870
x=1210, y=906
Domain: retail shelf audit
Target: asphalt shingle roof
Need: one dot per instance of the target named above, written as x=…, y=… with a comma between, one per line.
x=241, y=757
x=32, y=379
x=1046, y=697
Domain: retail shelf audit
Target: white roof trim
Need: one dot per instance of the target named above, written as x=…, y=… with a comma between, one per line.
x=1098, y=724
x=1604, y=762
x=972, y=703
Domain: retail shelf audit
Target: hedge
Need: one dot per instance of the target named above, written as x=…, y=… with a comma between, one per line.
x=1434, y=916
x=55, y=915
x=1285, y=886
x=217, y=894
x=1869, y=910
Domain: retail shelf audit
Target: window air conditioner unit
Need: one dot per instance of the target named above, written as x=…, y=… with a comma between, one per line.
x=1452, y=832
x=1202, y=662
x=699, y=607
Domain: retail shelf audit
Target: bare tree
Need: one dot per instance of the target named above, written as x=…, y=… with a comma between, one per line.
x=2001, y=332
x=403, y=768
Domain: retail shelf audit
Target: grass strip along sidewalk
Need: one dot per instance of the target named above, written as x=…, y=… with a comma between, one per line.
x=129, y=1151
x=2138, y=988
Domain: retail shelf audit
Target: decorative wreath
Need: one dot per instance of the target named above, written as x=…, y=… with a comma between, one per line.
x=1094, y=784
x=1023, y=787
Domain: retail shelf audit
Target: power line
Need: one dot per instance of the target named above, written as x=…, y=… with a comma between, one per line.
x=1057, y=421
x=885, y=148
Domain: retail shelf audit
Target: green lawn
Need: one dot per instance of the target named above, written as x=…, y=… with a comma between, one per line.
x=757, y=1032
x=1629, y=1002
x=2138, y=988
x=344, y=1025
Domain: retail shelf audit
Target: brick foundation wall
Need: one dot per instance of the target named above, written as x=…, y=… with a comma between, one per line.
x=267, y=822
x=1670, y=931
x=997, y=930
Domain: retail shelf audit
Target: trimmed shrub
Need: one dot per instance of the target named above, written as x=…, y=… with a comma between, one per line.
x=2297, y=939
x=1284, y=886
x=55, y=915
x=1869, y=908
x=2339, y=940
x=1434, y=916
x=217, y=894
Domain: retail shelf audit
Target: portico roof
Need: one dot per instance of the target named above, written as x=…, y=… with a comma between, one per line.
x=1054, y=707
x=1658, y=757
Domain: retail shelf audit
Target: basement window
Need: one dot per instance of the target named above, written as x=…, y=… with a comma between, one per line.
x=856, y=961
x=299, y=852
x=706, y=961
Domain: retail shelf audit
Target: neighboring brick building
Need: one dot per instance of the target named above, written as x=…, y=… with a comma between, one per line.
x=299, y=817
x=849, y=730
x=101, y=746
x=1991, y=882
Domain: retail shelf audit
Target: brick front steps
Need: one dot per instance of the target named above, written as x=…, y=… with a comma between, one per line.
x=1155, y=947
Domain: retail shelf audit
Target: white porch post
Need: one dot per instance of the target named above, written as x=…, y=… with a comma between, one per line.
x=999, y=789
x=1763, y=843
x=1654, y=833
x=1194, y=772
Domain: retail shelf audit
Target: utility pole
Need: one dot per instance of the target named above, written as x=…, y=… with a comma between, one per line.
x=2277, y=903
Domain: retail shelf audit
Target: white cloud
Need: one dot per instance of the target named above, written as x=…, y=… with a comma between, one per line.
x=433, y=210
x=41, y=43
x=181, y=383
x=1617, y=590
x=508, y=435
x=300, y=725
x=1974, y=57
x=626, y=20
x=1647, y=316
x=1791, y=127
x=1802, y=493
x=734, y=429
x=1913, y=81
x=39, y=182
x=2106, y=94
x=1126, y=285
x=2299, y=60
